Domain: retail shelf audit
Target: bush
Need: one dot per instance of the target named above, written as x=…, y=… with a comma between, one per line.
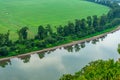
x=3, y=51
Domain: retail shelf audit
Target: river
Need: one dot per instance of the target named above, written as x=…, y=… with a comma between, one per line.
x=52, y=65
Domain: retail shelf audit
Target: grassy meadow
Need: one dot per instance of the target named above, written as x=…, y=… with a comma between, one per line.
x=15, y=14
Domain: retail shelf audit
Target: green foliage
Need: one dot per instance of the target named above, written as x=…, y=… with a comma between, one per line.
x=4, y=39
x=97, y=70
x=4, y=51
x=119, y=48
x=41, y=32
x=22, y=33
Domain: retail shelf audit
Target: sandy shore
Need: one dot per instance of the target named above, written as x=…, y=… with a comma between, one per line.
x=64, y=45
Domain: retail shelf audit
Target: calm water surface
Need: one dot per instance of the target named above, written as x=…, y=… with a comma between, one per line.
x=52, y=65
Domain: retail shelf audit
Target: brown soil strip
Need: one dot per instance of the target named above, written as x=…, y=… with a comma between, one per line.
x=64, y=45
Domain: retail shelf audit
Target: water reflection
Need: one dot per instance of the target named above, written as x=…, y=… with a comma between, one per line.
x=4, y=63
x=51, y=65
x=82, y=45
x=103, y=37
x=95, y=41
x=42, y=55
x=69, y=48
x=77, y=48
x=25, y=59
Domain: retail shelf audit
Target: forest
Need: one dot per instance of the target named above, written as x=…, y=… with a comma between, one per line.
x=46, y=37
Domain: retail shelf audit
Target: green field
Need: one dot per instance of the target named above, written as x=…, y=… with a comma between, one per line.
x=15, y=14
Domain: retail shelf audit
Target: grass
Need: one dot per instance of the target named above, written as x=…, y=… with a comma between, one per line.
x=15, y=14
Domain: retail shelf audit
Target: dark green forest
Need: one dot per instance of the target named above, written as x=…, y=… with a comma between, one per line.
x=46, y=37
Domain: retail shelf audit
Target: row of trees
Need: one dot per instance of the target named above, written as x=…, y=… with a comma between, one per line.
x=109, y=3
x=26, y=59
x=46, y=37
x=83, y=27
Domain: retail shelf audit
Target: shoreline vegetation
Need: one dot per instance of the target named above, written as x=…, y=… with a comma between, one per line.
x=80, y=31
x=63, y=45
x=119, y=48
x=97, y=70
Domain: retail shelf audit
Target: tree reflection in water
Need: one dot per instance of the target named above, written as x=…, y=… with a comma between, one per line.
x=69, y=48
x=103, y=37
x=50, y=51
x=82, y=45
x=4, y=63
x=41, y=55
x=95, y=41
x=77, y=48
x=25, y=59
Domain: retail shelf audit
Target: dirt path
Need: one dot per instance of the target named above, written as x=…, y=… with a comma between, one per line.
x=64, y=45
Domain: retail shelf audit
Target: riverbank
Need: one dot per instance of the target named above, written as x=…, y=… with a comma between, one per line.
x=64, y=45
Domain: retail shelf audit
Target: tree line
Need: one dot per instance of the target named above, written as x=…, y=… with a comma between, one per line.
x=109, y=3
x=46, y=37
x=77, y=48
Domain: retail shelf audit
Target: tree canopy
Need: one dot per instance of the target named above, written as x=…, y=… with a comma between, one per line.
x=97, y=70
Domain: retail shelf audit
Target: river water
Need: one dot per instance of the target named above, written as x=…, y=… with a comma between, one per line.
x=52, y=65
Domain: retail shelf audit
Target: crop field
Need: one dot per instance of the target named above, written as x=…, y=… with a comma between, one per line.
x=15, y=14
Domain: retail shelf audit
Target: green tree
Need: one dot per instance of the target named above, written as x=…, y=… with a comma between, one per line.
x=77, y=26
x=95, y=22
x=3, y=51
x=103, y=20
x=60, y=30
x=89, y=21
x=22, y=33
x=7, y=37
x=41, y=32
x=83, y=24
x=49, y=30
x=66, y=30
x=71, y=28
